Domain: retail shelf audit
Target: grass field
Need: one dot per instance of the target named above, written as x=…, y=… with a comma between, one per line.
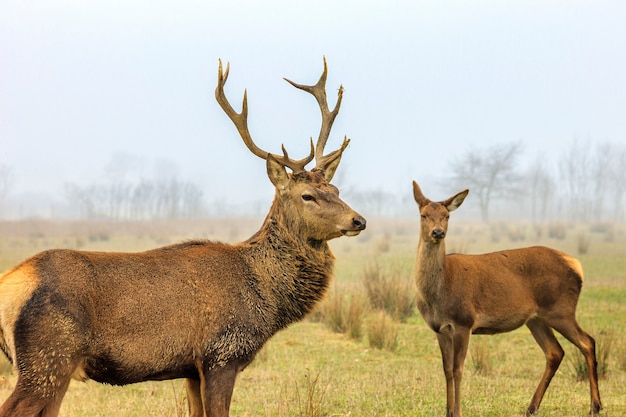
x=310, y=370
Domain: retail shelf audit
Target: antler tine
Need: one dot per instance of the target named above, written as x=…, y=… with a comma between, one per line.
x=239, y=119
x=241, y=123
x=318, y=90
x=325, y=160
x=295, y=165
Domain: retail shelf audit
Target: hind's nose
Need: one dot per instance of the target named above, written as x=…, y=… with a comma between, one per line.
x=438, y=234
x=359, y=222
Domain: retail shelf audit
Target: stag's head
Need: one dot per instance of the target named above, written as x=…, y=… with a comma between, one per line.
x=434, y=215
x=305, y=200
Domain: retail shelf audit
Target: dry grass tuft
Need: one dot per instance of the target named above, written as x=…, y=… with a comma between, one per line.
x=343, y=313
x=311, y=400
x=382, y=331
x=480, y=357
x=583, y=241
x=384, y=244
x=392, y=291
x=557, y=231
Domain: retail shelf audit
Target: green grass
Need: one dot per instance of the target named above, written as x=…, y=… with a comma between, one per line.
x=310, y=370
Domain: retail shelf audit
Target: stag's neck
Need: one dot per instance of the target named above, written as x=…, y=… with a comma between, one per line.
x=429, y=269
x=291, y=270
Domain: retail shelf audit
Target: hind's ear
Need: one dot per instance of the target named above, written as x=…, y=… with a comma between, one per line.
x=419, y=197
x=455, y=202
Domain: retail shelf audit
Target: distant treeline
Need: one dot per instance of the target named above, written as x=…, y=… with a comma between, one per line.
x=585, y=182
x=145, y=200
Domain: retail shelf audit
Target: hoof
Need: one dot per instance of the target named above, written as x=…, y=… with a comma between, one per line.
x=532, y=411
x=595, y=409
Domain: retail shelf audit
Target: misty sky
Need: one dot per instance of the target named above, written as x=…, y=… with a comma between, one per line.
x=84, y=83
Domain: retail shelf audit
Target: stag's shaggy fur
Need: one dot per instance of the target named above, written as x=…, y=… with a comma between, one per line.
x=90, y=313
x=198, y=310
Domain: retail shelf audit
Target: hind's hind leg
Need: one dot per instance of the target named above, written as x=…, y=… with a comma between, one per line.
x=587, y=345
x=553, y=351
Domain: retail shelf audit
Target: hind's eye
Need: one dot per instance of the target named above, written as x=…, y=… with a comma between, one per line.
x=308, y=197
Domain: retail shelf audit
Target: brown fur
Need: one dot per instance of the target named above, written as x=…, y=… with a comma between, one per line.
x=198, y=310
x=459, y=295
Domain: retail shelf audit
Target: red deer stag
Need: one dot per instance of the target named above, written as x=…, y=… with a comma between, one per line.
x=198, y=310
x=459, y=295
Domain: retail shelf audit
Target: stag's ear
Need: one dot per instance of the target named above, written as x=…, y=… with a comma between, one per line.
x=330, y=167
x=420, y=199
x=455, y=202
x=277, y=173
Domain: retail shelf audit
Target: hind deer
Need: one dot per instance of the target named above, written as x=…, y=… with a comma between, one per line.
x=459, y=295
x=198, y=310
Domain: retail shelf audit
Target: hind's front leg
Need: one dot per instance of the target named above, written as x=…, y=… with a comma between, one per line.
x=461, y=342
x=447, y=357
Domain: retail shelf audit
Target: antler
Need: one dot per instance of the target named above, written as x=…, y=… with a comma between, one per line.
x=241, y=122
x=328, y=117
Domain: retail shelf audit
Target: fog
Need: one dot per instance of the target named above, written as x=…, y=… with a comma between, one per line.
x=98, y=90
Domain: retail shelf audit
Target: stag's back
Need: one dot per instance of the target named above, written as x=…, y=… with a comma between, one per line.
x=182, y=300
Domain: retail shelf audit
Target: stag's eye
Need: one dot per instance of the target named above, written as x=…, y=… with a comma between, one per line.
x=308, y=197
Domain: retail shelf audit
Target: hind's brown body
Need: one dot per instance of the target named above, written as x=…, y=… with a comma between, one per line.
x=459, y=295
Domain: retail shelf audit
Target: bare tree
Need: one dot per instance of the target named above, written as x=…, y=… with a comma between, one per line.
x=142, y=200
x=377, y=202
x=577, y=189
x=541, y=189
x=5, y=183
x=619, y=184
x=489, y=172
x=117, y=196
x=148, y=199
x=176, y=198
x=191, y=200
x=600, y=171
x=83, y=199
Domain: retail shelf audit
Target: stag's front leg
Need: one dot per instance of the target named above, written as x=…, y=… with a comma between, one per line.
x=25, y=402
x=217, y=386
x=194, y=398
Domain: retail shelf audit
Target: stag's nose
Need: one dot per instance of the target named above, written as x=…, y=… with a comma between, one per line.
x=438, y=234
x=359, y=222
